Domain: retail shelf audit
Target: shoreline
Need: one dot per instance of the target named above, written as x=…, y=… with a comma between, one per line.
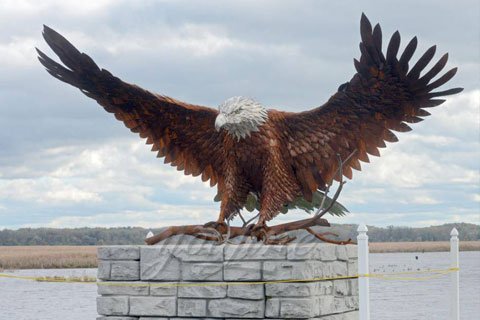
x=69, y=257
x=421, y=246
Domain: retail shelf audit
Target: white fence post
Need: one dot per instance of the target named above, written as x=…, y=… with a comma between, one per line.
x=363, y=281
x=454, y=263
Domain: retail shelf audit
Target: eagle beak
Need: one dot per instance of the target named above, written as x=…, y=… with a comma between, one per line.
x=220, y=121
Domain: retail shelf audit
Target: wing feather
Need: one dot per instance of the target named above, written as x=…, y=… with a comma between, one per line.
x=383, y=96
x=182, y=133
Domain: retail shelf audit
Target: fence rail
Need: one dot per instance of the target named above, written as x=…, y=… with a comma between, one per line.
x=364, y=275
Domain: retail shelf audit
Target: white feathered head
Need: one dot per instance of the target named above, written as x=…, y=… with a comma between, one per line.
x=240, y=116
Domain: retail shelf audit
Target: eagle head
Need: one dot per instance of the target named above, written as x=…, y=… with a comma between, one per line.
x=240, y=116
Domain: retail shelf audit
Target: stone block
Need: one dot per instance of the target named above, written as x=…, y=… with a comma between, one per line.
x=294, y=308
x=254, y=252
x=118, y=253
x=123, y=288
x=153, y=306
x=331, y=317
x=112, y=306
x=352, y=302
x=125, y=270
x=242, y=271
x=103, y=270
x=198, y=253
x=163, y=289
x=157, y=263
x=327, y=252
x=352, y=267
x=341, y=252
x=214, y=291
x=182, y=318
x=116, y=318
x=341, y=288
x=192, y=307
x=326, y=305
x=353, y=287
x=202, y=271
x=292, y=289
x=236, y=308
x=335, y=268
x=295, y=270
x=246, y=291
x=272, y=308
x=343, y=304
x=353, y=315
x=325, y=288
x=312, y=251
x=352, y=251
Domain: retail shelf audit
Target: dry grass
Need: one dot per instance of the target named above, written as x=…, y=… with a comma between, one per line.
x=48, y=257
x=427, y=246
x=51, y=257
x=67, y=279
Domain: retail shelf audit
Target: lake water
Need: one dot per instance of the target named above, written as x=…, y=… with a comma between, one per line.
x=429, y=299
x=390, y=300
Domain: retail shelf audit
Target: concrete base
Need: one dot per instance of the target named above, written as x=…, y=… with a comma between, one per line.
x=206, y=281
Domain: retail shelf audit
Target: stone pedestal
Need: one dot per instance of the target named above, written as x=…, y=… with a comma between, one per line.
x=207, y=281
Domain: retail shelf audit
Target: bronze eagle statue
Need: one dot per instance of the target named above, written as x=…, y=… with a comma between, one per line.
x=278, y=156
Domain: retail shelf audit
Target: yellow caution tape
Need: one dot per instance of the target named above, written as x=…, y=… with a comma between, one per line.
x=436, y=273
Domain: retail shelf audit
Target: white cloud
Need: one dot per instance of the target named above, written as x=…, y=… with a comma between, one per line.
x=424, y=200
x=45, y=191
x=460, y=115
x=126, y=160
x=362, y=195
x=397, y=168
x=199, y=40
x=121, y=172
x=70, y=194
x=430, y=139
x=18, y=51
x=191, y=40
x=71, y=8
x=476, y=197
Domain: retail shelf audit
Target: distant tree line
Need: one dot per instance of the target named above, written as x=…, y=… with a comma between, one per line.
x=468, y=232
x=135, y=235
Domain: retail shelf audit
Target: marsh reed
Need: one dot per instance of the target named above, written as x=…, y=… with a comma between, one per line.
x=52, y=257
x=47, y=257
x=425, y=246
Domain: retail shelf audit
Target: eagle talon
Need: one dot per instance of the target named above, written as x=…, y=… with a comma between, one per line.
x=215, y=234
x=247, y=230
x=221, y=227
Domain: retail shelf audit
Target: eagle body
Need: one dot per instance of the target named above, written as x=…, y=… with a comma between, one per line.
x=244, y=149
x=267, y=172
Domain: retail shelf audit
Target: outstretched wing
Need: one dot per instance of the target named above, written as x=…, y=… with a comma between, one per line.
x=182, y=133
x=383, y=95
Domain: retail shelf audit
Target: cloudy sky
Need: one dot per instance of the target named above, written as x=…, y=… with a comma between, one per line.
x=64, y=162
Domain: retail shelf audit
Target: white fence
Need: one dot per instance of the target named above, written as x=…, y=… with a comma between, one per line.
x=364, y=276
